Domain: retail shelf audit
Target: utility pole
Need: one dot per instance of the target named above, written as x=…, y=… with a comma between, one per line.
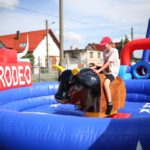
x=61, y=36
x=132, y=33
x=47, y=53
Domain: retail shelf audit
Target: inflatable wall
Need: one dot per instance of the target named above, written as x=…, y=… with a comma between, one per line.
x=141, y=69
x=146, y=54
x=32, y=119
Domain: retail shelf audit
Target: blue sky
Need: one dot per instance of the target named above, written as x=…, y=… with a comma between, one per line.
x=85, y=21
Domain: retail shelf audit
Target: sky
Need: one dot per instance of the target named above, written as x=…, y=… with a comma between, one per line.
x=85, y=21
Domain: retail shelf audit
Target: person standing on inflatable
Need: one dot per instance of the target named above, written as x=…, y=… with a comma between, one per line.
x=110, y=68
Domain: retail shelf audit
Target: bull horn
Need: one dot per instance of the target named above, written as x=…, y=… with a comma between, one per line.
x=60, y=68
x=20, y=55
x=75, y=71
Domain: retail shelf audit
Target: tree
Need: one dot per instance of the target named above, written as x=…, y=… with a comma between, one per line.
x=126, y=40
x=122, y=43
x=31, y=57
x=119, y=47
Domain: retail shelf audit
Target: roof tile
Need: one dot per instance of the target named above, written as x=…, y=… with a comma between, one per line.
x=35, y=37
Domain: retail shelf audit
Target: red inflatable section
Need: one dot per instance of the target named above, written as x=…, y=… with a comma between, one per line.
x=121, y=115
x=8, y=56
x=130, y=47
x=13, y=73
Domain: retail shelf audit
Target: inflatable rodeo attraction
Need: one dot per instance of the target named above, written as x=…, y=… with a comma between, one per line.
x=43, y=116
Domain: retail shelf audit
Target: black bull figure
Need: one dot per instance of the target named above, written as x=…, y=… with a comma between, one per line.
x=85, y=89
x=82, y=89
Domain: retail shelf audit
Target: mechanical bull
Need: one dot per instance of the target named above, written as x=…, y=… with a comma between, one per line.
x=84, y=88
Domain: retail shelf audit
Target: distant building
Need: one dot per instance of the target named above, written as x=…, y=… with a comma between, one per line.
x=37, y=45
x=83, y=57
x=94, y=53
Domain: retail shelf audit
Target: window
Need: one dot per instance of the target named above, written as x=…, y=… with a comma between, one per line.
x=91, y=54
x=1, y=45
x=99, y=55
x=23, y=44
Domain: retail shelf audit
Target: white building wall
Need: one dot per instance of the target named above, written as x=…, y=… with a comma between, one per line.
x=95, y=58
x=41, y=51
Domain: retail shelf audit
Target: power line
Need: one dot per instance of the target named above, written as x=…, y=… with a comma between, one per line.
x=30, y=10
x=44, y=13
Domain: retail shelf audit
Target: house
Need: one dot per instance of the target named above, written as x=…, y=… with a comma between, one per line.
x=92, y=53
x=83, y=57
x=43, y=46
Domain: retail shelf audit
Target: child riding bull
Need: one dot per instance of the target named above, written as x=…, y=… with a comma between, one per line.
x=110, y=68
x=92, y=90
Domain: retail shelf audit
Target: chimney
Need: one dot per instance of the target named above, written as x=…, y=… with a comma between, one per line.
x=18, y=35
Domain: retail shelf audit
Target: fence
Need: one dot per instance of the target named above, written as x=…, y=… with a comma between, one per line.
x=40, y=74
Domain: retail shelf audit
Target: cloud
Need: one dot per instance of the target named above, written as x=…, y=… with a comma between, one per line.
x=85, y=21
x=13, y=21
x=9, y=3
x=108, y=16
x=73, y=40
x=128, y=11
x=72, y=36
x=138, y=53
